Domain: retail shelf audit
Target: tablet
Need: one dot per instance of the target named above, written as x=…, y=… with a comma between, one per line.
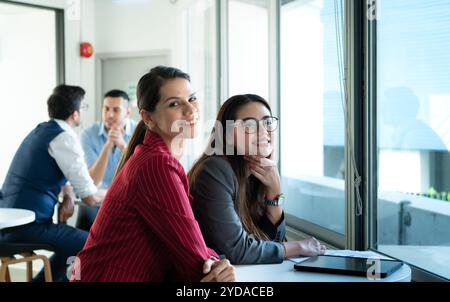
x=364, y=267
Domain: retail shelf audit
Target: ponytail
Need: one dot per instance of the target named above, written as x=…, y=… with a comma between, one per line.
x=136, y=139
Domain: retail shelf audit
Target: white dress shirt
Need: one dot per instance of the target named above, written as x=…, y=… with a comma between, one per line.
x=66, y=149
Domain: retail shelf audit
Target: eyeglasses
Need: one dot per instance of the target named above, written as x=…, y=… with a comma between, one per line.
x=251, y=125
x=84, y=106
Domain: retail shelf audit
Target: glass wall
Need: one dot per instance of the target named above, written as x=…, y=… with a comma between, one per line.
x=248, y=47
x=201, y=59
x=312, y=118
x=28, y=73
x=413, y=100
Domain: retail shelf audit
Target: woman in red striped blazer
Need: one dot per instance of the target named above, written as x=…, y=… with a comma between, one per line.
x=145, y=229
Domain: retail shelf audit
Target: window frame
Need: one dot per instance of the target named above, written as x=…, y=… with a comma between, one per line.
x=354, y=57
x=360, y=62
x=330, y=237
x=369, y=141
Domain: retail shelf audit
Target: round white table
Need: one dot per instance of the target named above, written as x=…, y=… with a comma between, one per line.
x=15, y=217
x=285, y=272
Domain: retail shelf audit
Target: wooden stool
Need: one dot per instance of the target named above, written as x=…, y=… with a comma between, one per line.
x=7, y=252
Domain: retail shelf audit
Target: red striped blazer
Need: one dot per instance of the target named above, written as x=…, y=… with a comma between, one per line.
x=145, y=229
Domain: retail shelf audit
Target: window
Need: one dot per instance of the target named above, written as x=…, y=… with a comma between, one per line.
x=413, y=101
x=28, y=73
x=312, y=118
x=201, y=59
x=248, y=51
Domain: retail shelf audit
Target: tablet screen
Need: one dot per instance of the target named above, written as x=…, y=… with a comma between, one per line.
x=349, y=265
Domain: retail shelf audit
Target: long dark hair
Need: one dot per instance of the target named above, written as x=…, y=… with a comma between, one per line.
x=251, y=190
x=148, y=96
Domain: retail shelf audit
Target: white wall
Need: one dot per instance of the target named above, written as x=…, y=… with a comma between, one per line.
x=87, y=65
x=138, y=26
x=114, y=26
x=135, y=26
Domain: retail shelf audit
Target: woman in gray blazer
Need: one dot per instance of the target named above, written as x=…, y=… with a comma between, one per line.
x=236, y=188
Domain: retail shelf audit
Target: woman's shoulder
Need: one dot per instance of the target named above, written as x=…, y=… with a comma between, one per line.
x=217, y=168
x=154, y=163
x=214, y=177
x=217, y=164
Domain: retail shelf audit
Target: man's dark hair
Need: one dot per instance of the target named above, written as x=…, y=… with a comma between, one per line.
x=117, y=94
x=64, y=101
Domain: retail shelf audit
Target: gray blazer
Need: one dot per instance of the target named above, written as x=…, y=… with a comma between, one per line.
x=214, y=195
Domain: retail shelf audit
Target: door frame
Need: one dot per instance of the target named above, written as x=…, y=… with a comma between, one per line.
x=101, y=57
x=60, y=35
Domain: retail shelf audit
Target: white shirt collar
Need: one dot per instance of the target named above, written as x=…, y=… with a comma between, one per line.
x=65, y=126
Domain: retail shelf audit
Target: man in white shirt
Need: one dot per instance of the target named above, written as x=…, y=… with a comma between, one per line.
x=48, y=158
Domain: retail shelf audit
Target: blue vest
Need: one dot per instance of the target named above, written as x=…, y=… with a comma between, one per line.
x=34, y=179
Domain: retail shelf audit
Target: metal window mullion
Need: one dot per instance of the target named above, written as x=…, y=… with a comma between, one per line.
x=371, y=157
x=223, y=44
x=275, y=65
x=349, y=194
x=353, y=63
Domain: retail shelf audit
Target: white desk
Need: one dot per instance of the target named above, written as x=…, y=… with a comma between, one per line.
x=15, y=217
x=285, y=272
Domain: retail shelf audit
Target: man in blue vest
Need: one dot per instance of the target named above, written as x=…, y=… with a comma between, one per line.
x=49, y=157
